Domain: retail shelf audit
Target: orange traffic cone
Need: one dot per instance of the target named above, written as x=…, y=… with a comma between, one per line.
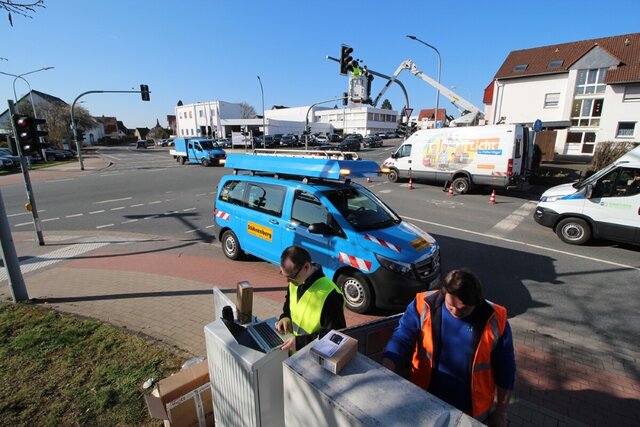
x=410, y=186
x=451, y=190
x=368, y=179
x=492, y=198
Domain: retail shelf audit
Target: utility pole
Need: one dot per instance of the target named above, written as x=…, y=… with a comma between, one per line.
x=31, y=205
x=10, y=259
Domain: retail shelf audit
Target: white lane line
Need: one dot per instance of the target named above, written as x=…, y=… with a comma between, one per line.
x=169, y=200
x=191, y=231
x=517, y=242
x=213, y=192
x=96, y=212
x=51, y=219
x=136, y=205
x=22, y=224
x=113, y=200
x=188, y=209
x=129, y=221
x=155, y=202
x=117, y=209
x=105, y=226
x=209, y=226
x=61, y=180
x=74, y=215
x=38, y=262
x=513, y=220
x=110, y=157
x=201, y=194
x=385, y=191
x=18, y=214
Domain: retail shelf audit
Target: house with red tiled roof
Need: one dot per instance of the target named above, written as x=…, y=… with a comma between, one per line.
x=426, y=118
x=583, y=92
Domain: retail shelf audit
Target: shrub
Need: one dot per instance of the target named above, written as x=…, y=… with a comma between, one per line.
x=608, y=152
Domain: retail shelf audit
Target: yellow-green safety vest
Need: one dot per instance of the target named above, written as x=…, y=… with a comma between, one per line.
x=305, y=314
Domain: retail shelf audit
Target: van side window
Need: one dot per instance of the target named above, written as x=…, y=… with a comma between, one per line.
x=266, y=198
x=628, y=183
x=233, y=192
x=307, y=209
x=616, y=183
x=405, y=151
x=190, y=145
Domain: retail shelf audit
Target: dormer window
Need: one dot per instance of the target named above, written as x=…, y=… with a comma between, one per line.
x=557, y=63
x=520, y=67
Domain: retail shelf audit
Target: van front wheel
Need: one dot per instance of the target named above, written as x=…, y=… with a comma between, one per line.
x=392, y=176
x=574, y=231
x=356, y=290
x=205, y=162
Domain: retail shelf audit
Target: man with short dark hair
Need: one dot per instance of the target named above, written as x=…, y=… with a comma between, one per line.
x=313, y=305
x=462, y=347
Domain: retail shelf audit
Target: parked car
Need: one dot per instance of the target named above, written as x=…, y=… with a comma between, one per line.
x=142, y=143
x=335, y=138
x=6, y=154
x=392, y=135
x=289, y=140
x=382, y=135
x=276, y=139
x=6, y=162
x=350, y=143
x=321, y=140
x=224, y=143
x=372, y=141
x=54, y=154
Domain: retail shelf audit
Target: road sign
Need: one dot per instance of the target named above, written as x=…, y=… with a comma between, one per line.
x=537, y=126
x=408, y=112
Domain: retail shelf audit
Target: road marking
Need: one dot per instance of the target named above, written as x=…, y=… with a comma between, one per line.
x=113, y=200
x=135, y=206
x=129, y=221
x=18, y=214
x=61, y=180
x=191, y=231
x=95, y=212
x=188, y=209
x=385, y=191
x=517, y=242
x=513, y=220
x=22, y=224
x=155, y=202
x=117, y=209
x=109, y=156
x=51, y=219
x=445, y=203
x=169, y=200
x=202, y=194
x=74, y=215
x=209, y=226
x=105, y=226
x=44, y=260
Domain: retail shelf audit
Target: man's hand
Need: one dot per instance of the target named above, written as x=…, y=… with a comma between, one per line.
x=283, y=325
x=289, y=344
x=497, y=419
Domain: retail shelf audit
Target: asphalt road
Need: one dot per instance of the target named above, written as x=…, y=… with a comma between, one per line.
x=585, y=294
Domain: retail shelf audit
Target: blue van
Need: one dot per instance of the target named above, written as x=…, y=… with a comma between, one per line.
x=375, y=257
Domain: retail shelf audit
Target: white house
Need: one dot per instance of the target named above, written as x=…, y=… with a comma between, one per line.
x=584, y=92
x=364, y=119
x=204, y=118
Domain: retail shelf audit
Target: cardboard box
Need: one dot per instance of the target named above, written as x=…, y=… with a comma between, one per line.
x=334, y=351
x=244, y=303
x=183, y=399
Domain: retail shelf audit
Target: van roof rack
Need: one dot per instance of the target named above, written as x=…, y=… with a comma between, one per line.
x=305, y=165
x=327, y=154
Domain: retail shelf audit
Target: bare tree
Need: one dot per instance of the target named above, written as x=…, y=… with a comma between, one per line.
x=247, y=111
x=20, y=8
x=58, y=117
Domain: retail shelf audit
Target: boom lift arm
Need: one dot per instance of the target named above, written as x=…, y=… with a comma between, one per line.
x=470, y=113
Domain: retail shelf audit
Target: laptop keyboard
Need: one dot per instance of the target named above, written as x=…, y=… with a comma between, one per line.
x=268, y=334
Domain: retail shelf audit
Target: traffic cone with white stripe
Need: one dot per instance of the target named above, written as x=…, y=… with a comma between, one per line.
x=492, y=198
x=368, y=179
x=451, y=190
x=410, y=186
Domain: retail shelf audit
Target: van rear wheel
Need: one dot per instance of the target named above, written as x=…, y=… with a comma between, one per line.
x=181, y=160
x=461, y=185
x=356, y=290
x=575, y=231
x=231, y=245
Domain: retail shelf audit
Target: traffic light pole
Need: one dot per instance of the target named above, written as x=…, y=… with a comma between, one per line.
x=31, y=205
x=73, y=120
x=306, y=120
x=10, y=258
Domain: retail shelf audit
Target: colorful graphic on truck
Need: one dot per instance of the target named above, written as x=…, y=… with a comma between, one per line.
x=452, y=152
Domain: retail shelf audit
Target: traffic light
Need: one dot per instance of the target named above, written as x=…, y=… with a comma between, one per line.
x=26, y=138
x=79, y=135
x=402, y=128
x=413, y=127
x=345, y=98
x=36, y=132
x=345, y=59
x=144, y=90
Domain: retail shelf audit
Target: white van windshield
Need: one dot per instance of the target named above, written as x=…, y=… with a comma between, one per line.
x=595, y=177
x=362, y=209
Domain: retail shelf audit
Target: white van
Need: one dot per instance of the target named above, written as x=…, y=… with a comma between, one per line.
x=497, y=155
x=606, y=205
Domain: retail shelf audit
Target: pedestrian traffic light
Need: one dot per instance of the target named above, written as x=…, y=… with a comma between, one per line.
x=80, y=135
x=345, y=59
x=144, y=90
x=24, y=133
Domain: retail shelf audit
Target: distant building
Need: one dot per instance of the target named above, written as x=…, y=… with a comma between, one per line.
x=584, y=92
x=426, y=118
x=205, y=118
x=40, y=99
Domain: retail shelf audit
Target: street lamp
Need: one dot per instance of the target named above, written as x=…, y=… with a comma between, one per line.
x=20, y=76
x=439, y=68
x=264, y=126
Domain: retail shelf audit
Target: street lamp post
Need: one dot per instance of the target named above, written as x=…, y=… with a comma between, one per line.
x=264, y=125
x=439, y=69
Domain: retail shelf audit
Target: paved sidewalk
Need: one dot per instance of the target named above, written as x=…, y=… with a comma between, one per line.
x=161, y=287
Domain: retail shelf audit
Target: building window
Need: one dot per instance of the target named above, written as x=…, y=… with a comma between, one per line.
x=555, y=63
x=180, y=114
x=631, y=93
x=591, y=81
x=190, y=115
x=586, y=112
x=551, y=100
x=587, y=139
x=626, y=129
x=520, y=67
x=200, y=112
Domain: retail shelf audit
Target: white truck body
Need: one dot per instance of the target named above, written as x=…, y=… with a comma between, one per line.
x=497, y=155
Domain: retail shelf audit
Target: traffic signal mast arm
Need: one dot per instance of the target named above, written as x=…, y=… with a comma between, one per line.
x=473, y=113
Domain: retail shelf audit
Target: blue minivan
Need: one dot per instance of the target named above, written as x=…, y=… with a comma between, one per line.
x=373, y=255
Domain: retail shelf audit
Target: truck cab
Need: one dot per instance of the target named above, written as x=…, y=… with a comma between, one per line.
x=202, y=151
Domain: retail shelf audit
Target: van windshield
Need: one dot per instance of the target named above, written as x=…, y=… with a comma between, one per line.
x=593, y=178
x=362, y=209
x=208, y=145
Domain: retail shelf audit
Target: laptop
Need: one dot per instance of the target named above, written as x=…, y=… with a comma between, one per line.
x=265, y=335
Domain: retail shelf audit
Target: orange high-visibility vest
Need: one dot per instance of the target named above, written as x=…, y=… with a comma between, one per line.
x=483, y=385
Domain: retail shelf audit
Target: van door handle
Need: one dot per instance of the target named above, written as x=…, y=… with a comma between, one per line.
x=273, y=221
x=290, y=227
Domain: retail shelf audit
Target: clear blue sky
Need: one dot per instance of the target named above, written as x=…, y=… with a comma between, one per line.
x=213, y=50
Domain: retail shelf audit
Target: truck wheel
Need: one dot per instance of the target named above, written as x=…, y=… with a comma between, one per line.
x=392, y=176
x=356, y=290
x=461, y=185
x=231, y=245
x=181, y=160
x=574, y=231
x=205, y=162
